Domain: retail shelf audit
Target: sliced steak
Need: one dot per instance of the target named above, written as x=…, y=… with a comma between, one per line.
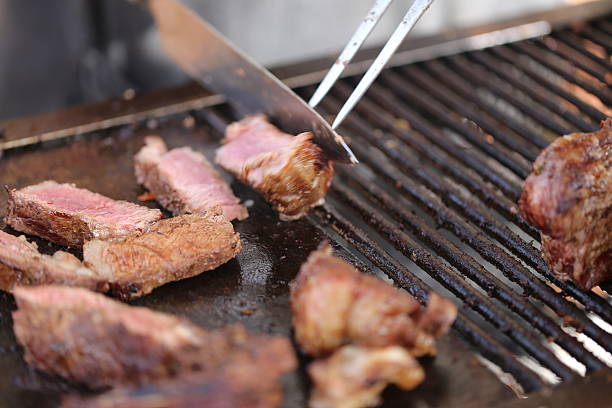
x=354, y=377
x=568, y=196
x=67, y=215
x=22, y=265
x=292, y=173
x=99, y=342
x=184, y=181
x=217, y=390
x=335, y=304
x=172, y=249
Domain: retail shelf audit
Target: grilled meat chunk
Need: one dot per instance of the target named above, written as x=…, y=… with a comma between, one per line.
x=568, y=196
x=334, y=304
x=218, y=390
x=172, y=249
x=292, y=173
x=354, y=377
x=184, y=181
x=69, y=216
x=22, y=265
x=99, y=342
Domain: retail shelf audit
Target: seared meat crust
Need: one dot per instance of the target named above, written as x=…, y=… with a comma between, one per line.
x=354, y=377
x=99, y=342
x=22, y=265
x=173, y=249
x=292, y=173
x=217, y=390
x=69, y=216
x=568, y=196
x=334, y=304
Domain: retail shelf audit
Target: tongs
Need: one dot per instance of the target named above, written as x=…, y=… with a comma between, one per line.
x=413, y=15
x=209, y=58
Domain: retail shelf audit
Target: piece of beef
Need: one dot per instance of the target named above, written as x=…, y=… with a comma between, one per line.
x=292, y=173
x=568, y=196
x=335, y=304
x=184, y=181
x=69, y=216
x=172, y=249
x=99, y=342
x=354, y=377
x=218, y=390
x=22, y=265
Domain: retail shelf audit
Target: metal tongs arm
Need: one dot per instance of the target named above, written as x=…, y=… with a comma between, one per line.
x=413, y=15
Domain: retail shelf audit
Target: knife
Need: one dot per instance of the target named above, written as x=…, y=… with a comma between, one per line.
x=209, y=58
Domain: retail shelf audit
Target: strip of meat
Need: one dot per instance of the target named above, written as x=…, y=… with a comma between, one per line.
x=354, y=377
x=172, y=249
x=216, y=390
x=22, y=265
x=69, y=216
x=568, y=196
x=99, y=342
x=292, y=173
x=334, y=304
x=184, y=181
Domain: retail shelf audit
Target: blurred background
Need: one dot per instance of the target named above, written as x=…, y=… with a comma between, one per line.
x=64, y=52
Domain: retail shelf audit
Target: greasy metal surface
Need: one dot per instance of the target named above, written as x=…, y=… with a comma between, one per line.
x=252, y=289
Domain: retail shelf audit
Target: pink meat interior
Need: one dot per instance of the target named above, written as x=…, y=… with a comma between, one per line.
x=248, y=139
x=67, y=198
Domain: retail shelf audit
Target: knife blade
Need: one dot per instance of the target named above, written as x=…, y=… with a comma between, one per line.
x=209, y=58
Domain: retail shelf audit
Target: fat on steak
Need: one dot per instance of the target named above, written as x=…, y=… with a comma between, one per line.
x=292, y=173
x=99, y=342
x=568, y=196
x=172, y=249
x=354, y=377
x=67, y=215
x=21, y=264
x=335, y=304
x=184, y=181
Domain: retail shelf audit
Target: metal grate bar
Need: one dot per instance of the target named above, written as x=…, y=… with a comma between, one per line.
x=509, y=266
x=467, y=90
x=556, y=65
x=454, y=282
x=406, y=91
x=573, y=57
x=481, y=76
x=464, y=263
x=505, y=56
x=577, y=43
x=459, y=105
x=484, y=343
x=515, y=244
x=598, y=37
x=380, y=117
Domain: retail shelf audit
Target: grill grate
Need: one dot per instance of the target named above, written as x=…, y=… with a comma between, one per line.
x=444, y=146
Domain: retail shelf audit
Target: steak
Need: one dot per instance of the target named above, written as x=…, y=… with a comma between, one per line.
x=22, y=265
x=217, y=390
x=172, y=249
x=568, y=196
x=98, y=342
x=334, y=304
x=292, y=173
x=354, y=377
x=183, y=180
x=67, y=215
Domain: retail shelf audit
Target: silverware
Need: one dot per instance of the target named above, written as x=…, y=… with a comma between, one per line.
x=209, y=58
x=413, y=15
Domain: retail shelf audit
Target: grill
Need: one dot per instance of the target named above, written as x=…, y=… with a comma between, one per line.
x=444, y=145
